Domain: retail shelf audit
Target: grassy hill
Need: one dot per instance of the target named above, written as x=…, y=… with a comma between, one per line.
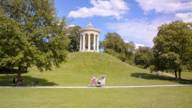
x=78, y=70
x=80, y=67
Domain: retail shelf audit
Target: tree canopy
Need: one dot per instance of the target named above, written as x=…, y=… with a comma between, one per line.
x=31, y=35
x=114, y=45
x=74, y=36
x=143, y=57
x=172, y=47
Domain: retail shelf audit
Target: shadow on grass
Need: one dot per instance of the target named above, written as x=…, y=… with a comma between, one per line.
x=7, y=80
x=149, y=76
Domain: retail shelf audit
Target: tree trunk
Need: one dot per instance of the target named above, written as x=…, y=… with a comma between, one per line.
x=19, y=79
x=179, y=74
x=175, y=74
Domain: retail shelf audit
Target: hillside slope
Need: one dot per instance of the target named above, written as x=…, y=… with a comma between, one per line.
x=80, y=67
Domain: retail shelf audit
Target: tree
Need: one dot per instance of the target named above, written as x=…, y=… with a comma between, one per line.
x=13, y=44
x=74, y=36
x=114, y=45
x=130, y=52
x=113, y=41
x=170, y=61
x=30, y=35
x=173, y=43
x=143, y=56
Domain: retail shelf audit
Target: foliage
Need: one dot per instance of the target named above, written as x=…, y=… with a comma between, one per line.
x=172, y=47
x=74, y=36
x=170, y=61
x=31, y=35
x=143, y=57
x=114, y=45
x=14, y=45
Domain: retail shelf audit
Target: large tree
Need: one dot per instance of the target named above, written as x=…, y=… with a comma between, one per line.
x=115, y=45
x=74, y=36
x=143, y=57
x=172, y=47
x=30, y=35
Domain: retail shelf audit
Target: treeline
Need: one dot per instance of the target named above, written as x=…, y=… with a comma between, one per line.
x=115, y=45
x=172, y=50
x=126, y=51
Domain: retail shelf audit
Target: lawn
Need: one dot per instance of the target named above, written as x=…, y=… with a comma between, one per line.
x=166, y=97
x=80, y=67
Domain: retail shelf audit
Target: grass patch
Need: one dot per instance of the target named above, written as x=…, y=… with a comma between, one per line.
x=167, y=97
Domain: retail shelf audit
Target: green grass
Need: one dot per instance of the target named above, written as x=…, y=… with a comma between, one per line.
x=80, y=67
x=167, y=97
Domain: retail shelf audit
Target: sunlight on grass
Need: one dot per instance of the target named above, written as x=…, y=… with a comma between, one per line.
x=80, y=67
x=167, y=97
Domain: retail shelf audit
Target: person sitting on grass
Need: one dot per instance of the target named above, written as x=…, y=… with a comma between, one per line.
x=101, y=81
x=93, y=81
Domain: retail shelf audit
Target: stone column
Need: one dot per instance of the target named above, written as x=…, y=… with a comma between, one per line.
x=97, y=43
x=89, y=42
x=83, y=42
x=94, y=42
x=80, y=42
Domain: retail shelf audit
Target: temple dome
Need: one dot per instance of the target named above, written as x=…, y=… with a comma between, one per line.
x=90, y=27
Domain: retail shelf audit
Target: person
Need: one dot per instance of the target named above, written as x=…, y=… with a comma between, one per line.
x=93, y=81
x=101, y=81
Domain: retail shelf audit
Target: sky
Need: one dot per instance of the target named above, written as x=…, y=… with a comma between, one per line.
x=135, y=20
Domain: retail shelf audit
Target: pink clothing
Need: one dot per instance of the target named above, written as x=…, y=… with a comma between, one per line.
x=93, y=81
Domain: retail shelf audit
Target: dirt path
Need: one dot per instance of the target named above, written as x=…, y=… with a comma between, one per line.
x=105, y=87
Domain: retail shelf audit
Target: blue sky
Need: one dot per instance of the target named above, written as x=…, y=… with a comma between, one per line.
x=134, y=20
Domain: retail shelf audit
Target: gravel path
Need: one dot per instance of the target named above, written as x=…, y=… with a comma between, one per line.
x=105, y=87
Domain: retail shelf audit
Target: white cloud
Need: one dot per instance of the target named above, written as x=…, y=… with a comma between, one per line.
x=186, y=17
x=142, y=31
x=115, y=8
x=71, y=25
x=138, y=45
x=165, y=6
x=139, y=31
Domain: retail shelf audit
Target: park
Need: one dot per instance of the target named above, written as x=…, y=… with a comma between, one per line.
x=46, y=61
